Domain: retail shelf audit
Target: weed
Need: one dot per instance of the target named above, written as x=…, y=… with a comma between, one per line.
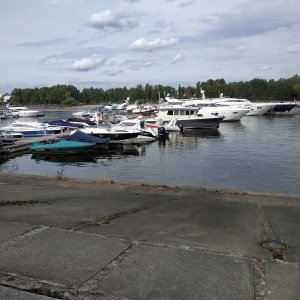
x=60, y=175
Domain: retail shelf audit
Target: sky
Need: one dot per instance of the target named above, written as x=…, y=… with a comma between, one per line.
x=122, y=43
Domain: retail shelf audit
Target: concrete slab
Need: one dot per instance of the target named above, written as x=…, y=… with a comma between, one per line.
x=71, y=204
x=164, y=273
x=59, y=256
x=282, y=281
x=217, y=226
x=13, y=294
x=9, y=230
x=284, y=220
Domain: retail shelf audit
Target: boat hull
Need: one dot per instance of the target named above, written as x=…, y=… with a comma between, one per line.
x=283, y=107
x=199, y=123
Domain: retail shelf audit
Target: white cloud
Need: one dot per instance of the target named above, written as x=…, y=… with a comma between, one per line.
x=143, y=44
x=293, y=48
x=119, y=18
x=88, y=63
x=241, y=48
x=178, y=57
x=264, y=68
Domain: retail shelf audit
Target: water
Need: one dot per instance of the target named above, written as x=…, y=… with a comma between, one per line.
x=259, y=153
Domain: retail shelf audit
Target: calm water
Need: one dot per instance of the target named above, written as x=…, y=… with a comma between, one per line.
x=260, y=154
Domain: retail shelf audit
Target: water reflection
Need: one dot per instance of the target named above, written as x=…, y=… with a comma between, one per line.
x=112, y=152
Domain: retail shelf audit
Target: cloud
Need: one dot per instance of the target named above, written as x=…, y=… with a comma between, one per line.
x=44, y=43
x=143, y=44
x=118, y=18
x=293, y=48
x=178, y=57
x=113, y=72
x=248, y=19
x=88, y=63
x=185, y=4
x=138, y=63
x=49, y=57
x=241, y=48
x=264, y=68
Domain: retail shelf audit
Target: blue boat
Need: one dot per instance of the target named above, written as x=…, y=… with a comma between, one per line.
x=61, y=147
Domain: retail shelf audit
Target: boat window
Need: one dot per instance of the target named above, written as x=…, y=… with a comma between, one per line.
x=176, y=112
x=170, y=112
x=187, y=112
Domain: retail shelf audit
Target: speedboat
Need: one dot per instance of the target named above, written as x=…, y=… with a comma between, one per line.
x=32, y=129
x=22, y=111
x=116, y=136
x=148, y=132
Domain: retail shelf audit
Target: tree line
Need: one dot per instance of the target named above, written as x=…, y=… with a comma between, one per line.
x=68, y=95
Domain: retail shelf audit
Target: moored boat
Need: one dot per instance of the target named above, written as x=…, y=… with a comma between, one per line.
x=23, y=111
x=187, y=117
x=32, y=129
x=282, y=106
x=62, y=147
x=116, y=136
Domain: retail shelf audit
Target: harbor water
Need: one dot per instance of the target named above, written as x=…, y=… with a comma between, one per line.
x=259, y=154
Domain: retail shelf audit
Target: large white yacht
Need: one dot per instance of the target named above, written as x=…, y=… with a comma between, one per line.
x=256, y=108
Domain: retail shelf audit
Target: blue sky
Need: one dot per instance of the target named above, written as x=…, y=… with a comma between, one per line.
x=114, y=43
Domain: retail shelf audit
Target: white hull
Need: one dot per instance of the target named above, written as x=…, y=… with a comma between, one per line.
x=256, y=108
x=230, y=114
x=22, y=111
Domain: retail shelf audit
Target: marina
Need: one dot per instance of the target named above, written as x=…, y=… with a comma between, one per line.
x=257, y=153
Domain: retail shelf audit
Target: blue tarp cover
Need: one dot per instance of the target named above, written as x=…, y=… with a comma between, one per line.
x=80, y=136
x=36, y=146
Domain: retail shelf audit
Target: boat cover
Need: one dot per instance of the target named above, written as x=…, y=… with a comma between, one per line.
x=80, y=136
x=80, y=120
x=63, y=144
x=65, y=124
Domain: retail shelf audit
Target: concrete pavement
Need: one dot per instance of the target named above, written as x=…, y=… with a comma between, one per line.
x=74, y=239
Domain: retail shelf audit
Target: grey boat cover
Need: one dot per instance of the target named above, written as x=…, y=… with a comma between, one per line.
x=79, y=136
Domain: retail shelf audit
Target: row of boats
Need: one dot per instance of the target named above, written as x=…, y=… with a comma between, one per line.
x=90, y=130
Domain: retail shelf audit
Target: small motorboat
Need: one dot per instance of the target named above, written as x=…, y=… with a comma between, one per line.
x=9, y=137
x=61, y=147
x=32, y=129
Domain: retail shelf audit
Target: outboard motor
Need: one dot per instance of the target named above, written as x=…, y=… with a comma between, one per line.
x=162, y=133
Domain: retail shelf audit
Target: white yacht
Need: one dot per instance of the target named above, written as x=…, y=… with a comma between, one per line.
x=22, y=111
x=256, y=108
x=230, y=113
x=187, y=117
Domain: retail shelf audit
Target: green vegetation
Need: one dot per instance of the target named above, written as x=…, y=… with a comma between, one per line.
x=68, y=95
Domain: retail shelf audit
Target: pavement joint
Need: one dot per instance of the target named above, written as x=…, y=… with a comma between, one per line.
x=260, y=291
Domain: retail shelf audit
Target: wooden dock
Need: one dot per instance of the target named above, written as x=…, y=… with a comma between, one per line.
x=24, y=144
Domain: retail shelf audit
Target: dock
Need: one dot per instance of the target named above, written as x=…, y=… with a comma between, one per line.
x=24, y=144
